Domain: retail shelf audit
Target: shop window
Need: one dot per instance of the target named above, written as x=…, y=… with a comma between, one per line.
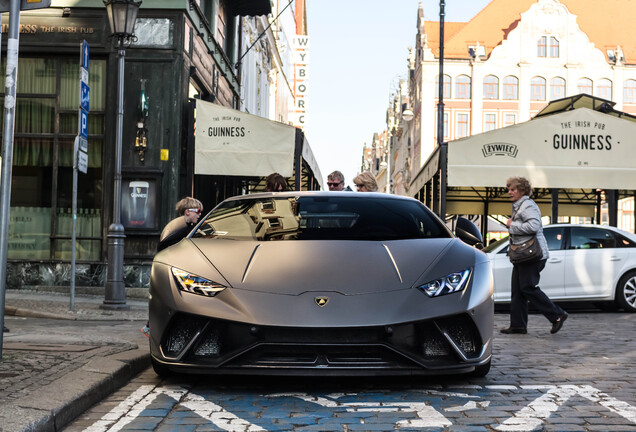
x=537, y=89
x=491, y=87
x=462, y=87
x=511, y=88
x=40, y=218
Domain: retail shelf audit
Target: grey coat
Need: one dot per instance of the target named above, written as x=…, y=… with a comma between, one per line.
x=526, y=222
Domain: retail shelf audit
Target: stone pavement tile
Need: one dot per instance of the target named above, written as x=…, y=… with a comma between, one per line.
x=180, y=428
x=563, y=428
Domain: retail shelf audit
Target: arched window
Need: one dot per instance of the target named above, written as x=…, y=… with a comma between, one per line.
x=447, y=86
x=491, y=87
x=557, y=88
x=462, y=87
x=584, y=85
x=604, y=89
x=629, y=91
x=537, y=89
x=511, y=88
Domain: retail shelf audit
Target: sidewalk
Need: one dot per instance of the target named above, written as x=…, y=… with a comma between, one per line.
x=57, y=363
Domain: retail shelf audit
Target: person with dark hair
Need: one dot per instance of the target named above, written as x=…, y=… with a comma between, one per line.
x=524, y=226
x=275, y=183
x=189, y=210
x=335, y=182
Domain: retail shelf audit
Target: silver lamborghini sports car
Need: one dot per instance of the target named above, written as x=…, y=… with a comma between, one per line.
x=337, y=283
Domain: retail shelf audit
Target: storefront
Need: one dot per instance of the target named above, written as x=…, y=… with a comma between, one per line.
x=173, y=60
x=576, y=152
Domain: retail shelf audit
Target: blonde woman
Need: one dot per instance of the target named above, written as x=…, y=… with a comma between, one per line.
x=365, y=182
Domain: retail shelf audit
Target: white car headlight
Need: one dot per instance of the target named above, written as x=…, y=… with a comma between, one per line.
x=194, y=284
x=449, y=284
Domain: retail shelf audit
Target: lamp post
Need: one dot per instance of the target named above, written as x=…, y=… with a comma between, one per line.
x=121, y=16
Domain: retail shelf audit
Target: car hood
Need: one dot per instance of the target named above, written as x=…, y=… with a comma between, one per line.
x=346, y=267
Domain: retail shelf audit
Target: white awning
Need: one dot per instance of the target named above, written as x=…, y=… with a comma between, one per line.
x=231, y=142
x=581, y=148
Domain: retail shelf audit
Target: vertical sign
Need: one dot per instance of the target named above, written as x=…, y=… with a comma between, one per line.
x=82, y=156
x=301, y=60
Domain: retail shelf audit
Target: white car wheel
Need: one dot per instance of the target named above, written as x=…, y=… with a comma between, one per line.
x=626, y=292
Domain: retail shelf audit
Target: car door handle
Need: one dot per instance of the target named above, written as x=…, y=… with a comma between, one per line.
x=555, y=260
x=615, y=258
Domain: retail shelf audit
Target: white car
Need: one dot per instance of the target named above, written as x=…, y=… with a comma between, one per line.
x=587, y=263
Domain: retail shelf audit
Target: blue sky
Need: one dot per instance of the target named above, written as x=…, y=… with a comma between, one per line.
x=358, y=52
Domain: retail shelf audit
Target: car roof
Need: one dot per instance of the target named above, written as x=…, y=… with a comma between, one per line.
x=345, y=194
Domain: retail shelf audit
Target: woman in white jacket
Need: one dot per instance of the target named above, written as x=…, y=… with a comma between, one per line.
x=522, y=226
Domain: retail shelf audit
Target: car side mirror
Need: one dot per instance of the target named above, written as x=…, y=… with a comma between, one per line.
x=468, y=233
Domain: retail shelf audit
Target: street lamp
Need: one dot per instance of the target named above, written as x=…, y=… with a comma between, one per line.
x=121, y=16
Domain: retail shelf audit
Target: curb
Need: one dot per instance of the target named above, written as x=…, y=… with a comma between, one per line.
x=46, y=411
x=15, y=311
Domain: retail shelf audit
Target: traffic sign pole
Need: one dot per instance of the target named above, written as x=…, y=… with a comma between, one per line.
x=80, y=150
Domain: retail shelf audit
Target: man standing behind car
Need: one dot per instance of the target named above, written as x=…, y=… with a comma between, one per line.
x=335, y=181
x=189, y=210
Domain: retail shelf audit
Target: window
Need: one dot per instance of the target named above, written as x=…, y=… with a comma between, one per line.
x=446, y=125
x=42, y=181
x=629, y=91
x=557, y=88
x=604, y=89
x=490, y=122
x=309, y=218
x=554, y=47
x=491, y=87
x=511, y=88
x=554, y=237
x=584, y=85
x=537, y=89
x=591, y=238
x=462, y=87
x=541, y=46
x=509, y=119
x=447, y=86
x=461, y=127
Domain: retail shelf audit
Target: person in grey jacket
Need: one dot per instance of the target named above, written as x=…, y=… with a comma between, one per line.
x=522, y=226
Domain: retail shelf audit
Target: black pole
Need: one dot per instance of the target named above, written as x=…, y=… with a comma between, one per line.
x=440, y=116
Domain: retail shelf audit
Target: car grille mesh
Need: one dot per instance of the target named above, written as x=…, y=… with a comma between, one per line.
x=213, y=342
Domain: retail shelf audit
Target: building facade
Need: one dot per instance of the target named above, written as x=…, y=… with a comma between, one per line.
x=183, y=50
x=504, y=65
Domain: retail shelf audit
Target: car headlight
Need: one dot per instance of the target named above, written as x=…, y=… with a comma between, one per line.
x=194, y=284
x=449, y=284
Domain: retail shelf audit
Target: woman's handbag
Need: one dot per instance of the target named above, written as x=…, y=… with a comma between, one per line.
x=525, y=252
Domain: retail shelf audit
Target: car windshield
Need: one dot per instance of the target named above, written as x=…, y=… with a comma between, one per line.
x=320, y=218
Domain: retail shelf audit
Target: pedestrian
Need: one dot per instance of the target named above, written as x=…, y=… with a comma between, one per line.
x=275, y=183
x=523, y=225
x=189, y=210
x=365, y=182
x=336, y=182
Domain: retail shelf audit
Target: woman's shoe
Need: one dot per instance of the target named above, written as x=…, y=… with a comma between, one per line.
x=514, y=330
x=558, y=323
